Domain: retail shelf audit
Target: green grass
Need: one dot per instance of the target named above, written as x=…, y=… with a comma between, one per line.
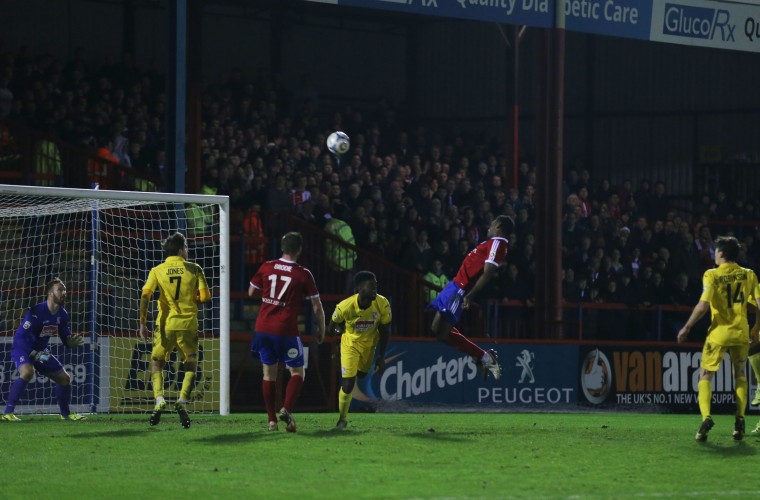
x=437, y=455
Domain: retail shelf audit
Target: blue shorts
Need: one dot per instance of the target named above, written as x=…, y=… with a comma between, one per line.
x=49, y=368
x=449, y=303
x=273, y=349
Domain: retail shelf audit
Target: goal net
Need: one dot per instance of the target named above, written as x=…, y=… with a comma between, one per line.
x=102, y=244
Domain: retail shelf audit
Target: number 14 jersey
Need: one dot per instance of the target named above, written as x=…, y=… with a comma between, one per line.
x=728, y=288
x=284, y=286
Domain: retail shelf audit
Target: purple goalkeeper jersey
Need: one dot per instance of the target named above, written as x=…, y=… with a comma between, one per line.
x=38, y=326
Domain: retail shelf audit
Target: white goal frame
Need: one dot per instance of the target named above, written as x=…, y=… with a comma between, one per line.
x=223, y=272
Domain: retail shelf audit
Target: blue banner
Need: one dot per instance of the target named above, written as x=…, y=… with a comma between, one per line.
x=604, y=376
x=686, y=22
x=436, y=374
x=537, y=13
x=623, y=18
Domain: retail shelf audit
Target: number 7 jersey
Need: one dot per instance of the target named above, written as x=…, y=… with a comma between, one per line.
x=728, y=288
x=182, y=284
x=284, y=286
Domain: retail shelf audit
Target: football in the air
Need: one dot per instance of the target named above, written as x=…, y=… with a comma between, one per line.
x=338, y=143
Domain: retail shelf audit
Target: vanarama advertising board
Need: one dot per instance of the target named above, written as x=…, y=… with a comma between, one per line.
x=637, y=377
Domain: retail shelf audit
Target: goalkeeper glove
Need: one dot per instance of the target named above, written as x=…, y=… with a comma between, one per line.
x=74, y=341
x=40, y=356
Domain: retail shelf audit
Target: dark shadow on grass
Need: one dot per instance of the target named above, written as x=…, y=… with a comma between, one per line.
x=729, y=449
x=235, y=438
x=116, y=433
x=333, y=432
x=440, y=436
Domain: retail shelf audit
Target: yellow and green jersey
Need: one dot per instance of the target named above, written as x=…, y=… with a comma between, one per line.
x=182, y=285
x=728, y=288
x=362, y=324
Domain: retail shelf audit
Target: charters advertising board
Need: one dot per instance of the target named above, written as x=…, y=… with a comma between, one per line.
x=427, y=373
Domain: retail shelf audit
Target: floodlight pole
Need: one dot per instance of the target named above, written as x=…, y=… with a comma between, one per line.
x=549, y=177
x=176, y=102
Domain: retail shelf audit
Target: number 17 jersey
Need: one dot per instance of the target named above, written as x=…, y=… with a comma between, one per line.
x=728, y=288
x=284, y=286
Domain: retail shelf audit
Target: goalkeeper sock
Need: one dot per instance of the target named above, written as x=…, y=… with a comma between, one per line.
x=344, y=402
x=17, y=389
x=158, y=384
x=292, y=392
x=462, y=343
x=63, y=393
x=269, y=391
x=187, y=385
x=705, y=396
x=742, y=395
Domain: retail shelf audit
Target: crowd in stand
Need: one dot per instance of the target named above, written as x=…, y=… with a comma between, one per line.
x=420, y=200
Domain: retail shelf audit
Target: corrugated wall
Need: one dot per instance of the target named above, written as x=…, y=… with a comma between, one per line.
x=460, y=71
x=58, y=27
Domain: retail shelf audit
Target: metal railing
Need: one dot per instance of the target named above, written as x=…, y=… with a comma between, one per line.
x=592, y=321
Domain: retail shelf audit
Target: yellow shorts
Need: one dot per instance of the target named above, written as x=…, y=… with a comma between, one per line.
x=712, y=355
x=185, y=341
x=355, y=356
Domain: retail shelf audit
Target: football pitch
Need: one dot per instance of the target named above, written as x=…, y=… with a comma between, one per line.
x=382, y=455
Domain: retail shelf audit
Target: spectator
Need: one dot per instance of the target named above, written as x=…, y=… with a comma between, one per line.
x=571, y=292
x=437, y=277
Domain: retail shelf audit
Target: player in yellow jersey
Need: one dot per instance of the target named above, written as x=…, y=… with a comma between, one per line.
x=364, y=320
x=754, y=362
x=182, y=285
x=726, y=291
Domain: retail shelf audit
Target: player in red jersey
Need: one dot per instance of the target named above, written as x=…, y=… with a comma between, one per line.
x=477, y=270
x=283, y=285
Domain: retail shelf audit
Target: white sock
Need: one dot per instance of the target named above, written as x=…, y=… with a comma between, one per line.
x=159, y=400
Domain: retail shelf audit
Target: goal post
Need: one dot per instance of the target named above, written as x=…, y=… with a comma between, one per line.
x=102, y=244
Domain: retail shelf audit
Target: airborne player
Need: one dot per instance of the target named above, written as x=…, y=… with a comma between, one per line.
x=477, y=270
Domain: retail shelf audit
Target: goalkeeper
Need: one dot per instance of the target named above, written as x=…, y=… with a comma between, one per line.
x=364, y=321
x=182, y=285
x=31, y=354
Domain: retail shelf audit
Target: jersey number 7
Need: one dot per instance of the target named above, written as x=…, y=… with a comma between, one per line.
x=178, y=279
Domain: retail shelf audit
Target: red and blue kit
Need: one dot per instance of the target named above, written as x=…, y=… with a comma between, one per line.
x=284, y=286
x=449, y=301
x=493, y=251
